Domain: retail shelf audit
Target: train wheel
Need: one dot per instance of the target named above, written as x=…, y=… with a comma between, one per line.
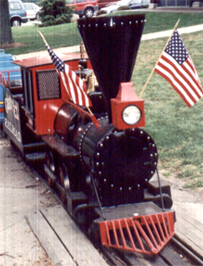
x=63, y=176
x=50, y=161
x=94, y=233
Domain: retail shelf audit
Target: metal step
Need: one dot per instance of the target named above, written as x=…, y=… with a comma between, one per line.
x=35, y=147
x=60, y=146
x=35, y=157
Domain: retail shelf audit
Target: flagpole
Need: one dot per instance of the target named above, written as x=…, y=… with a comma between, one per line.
x=42, y=38
x=176, y=25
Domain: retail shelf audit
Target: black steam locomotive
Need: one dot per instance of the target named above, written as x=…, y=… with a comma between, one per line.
x=101, y=170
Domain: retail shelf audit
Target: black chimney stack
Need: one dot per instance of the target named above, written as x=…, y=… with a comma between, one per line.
x=112, y=44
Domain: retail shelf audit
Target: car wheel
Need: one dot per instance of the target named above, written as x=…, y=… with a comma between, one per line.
x=89, y=12
x=15, y=22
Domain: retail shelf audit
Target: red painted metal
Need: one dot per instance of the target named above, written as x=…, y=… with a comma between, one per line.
x=45, y=110
x=126, y=96
x=146, y=234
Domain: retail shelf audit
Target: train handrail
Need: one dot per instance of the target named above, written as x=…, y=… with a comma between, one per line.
x=80, y=111
x=2, y=76
x=2, y=79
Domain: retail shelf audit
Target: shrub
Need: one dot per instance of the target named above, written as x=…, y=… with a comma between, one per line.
x=54, y=12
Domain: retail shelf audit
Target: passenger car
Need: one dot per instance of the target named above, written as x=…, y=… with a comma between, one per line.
x=17, y=12
x=83, y=7
x=32, y=10
x=133, y=4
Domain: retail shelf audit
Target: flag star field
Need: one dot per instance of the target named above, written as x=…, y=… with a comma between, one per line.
x=176, y=48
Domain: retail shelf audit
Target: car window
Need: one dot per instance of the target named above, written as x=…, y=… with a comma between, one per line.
x=135, y=2
x=28, y=6
x=15, y=6
x=34, y=7
x=80, y=1
x=123, y=3
x=69, y=1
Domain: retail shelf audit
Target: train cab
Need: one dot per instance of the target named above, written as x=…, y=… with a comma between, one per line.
x=30, y=109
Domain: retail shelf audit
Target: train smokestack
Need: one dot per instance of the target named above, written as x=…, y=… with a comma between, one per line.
x=112, y=44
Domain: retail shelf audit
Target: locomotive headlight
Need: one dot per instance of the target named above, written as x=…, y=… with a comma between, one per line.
x=131, y=115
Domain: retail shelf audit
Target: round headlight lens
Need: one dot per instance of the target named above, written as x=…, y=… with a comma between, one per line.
x=131, y=115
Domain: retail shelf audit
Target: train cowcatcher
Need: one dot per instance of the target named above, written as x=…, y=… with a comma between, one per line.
x=102, y=171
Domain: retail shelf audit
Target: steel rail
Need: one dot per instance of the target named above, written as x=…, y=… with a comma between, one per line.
x=187, y=250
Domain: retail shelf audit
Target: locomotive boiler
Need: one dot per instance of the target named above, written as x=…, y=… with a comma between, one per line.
x=102, y=169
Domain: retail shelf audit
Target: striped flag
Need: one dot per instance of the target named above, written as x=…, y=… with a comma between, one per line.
x=175, y=65
x=74, y=85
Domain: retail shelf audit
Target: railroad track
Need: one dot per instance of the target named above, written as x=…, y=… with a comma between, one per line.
x=175, y=253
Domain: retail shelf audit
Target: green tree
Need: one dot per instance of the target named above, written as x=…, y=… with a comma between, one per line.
x=55, y=12
x=5, y=25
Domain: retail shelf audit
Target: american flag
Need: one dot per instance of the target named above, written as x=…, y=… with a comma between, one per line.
x=175, y=65
x=74, y=85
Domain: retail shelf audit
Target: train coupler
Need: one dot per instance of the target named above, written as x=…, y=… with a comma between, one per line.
x=146, y=234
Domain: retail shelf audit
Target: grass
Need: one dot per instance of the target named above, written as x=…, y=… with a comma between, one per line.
x=67, y=34
x=176, y=129
x=57, y=36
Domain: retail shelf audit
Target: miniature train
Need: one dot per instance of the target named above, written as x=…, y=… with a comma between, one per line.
x=101, y=171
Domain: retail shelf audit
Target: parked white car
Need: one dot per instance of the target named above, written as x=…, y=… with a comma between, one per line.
x=133, y=4
x=32, y=10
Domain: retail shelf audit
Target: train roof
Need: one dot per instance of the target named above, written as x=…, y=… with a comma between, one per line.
x=45, y=60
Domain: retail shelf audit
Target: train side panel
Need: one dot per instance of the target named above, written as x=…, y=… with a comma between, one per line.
x=14, y=118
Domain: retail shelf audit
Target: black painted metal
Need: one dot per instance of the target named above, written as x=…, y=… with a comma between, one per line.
x=121, y=161
x=112, y=44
